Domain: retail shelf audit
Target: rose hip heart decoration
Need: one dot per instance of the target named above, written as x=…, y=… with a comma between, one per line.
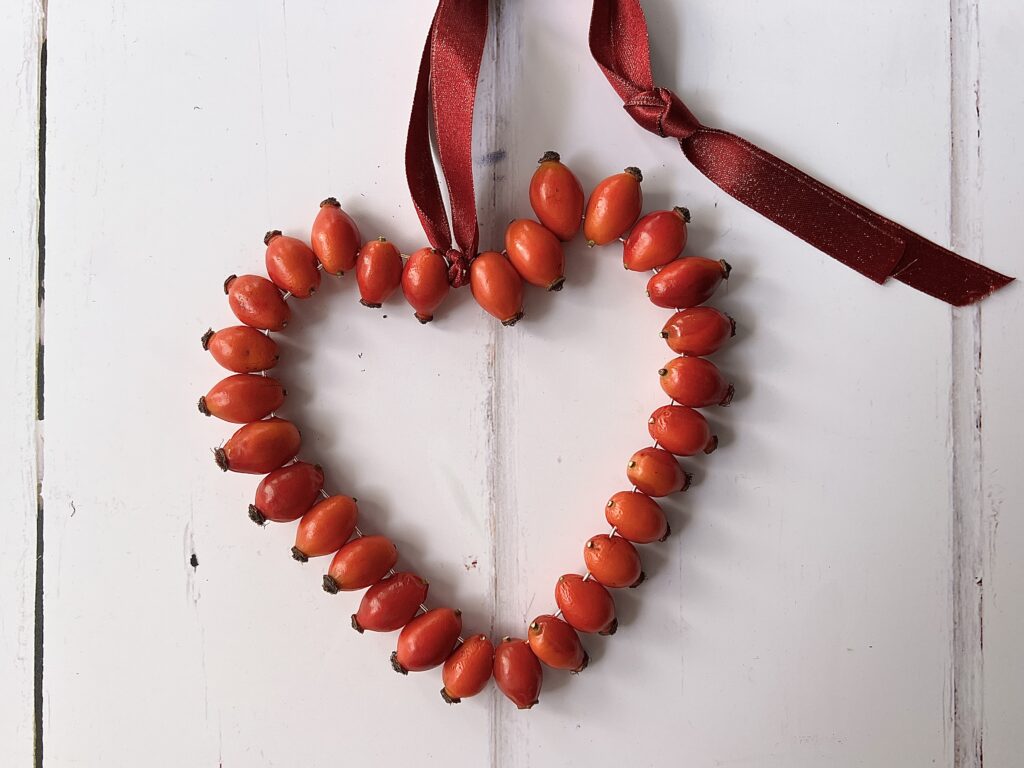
x=294, y=489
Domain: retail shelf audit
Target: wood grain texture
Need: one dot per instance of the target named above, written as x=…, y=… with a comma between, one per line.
x=816, y=603
x=21, y=37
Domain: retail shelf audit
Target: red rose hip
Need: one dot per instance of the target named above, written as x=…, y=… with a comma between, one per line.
x=287, y=493
x=655, y=472
x=257, y=302
x=698, y=331
x=391, y=603
x=695, y=382
x=378, y=272
x=614, y=207
x=468, y=669
x=517, y=672
x=613, y=561
x=687, y=282
x=427, y=641
x=636, y=517
x=425, y=282
x=585, y=604
x=536, y=254
x=325, y=527
x=360, y=563
x=657, y=239
x=557, y=197
x=497, y=287
x=291, y=264
x=242, y=398
x=241, y=349
x=335, y=238
x=259, y=447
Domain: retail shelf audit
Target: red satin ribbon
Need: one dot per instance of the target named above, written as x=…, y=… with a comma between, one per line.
x=847, y=231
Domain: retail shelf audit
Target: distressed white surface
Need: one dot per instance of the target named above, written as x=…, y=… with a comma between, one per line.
x=801, y=615
x=20, y=39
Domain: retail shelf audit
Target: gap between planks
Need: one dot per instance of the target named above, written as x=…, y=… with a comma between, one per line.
x=965, y=704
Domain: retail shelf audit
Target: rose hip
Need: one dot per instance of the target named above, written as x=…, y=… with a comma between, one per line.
x=360, y=563
x=335, y=238
x=497, y=287
x=468, y=669
x=656, y=472
x=287, y=493
x=427, y=641
x=657, y=239
x=698, y=331
x=557, y=197
x=536, y=254
x=259, y=447
x=613, y=561
x=242, y=398
x=636, y=517
x=687, y=282
x=241, y=349
x=681, y=430
x=325, y=527
x=257, y=302
x=614, y=207
x=517, y=672
x=556, y=644
x=585, y=605
x=425, y=282
x=391, y=603
x=378, y=272
x=695, y=382
x=291, y=265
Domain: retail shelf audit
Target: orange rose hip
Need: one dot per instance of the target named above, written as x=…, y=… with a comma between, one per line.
x=518, y=672
x=468, y=669
x=657, y=239
x=241, y=349
x=557, y=197
x=614, y=207
x=242, y=398
x=695, y=382
x=391, y=603
x=427, y=641
x=257, y=302
x=636, y=517
x=698, y=331
x=291, y=264
x=325, y=527
x=585, y=604
x=425, y=282
x=656, y=472
x=378, y=272
x=335, y=238
x=613, y=561
x=556, y=644
x=536, y=254
x=360, y=563
x=287, y=493
x=497, y=287
x=681, y=430
x=259, y=447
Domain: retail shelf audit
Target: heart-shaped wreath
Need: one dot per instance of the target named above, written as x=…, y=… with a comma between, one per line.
x=292, y=489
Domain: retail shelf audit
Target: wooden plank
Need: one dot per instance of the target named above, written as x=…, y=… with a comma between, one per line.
x=997, y=198
x=21, y=40
x=179, y=134
x=800, y=614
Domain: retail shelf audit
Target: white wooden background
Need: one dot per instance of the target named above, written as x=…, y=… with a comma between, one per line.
x=836, y=569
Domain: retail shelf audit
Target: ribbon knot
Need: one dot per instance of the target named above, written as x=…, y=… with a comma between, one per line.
x=458, y=268
x=660, y=111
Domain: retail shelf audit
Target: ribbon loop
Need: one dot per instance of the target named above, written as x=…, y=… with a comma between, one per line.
x=660, y=111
